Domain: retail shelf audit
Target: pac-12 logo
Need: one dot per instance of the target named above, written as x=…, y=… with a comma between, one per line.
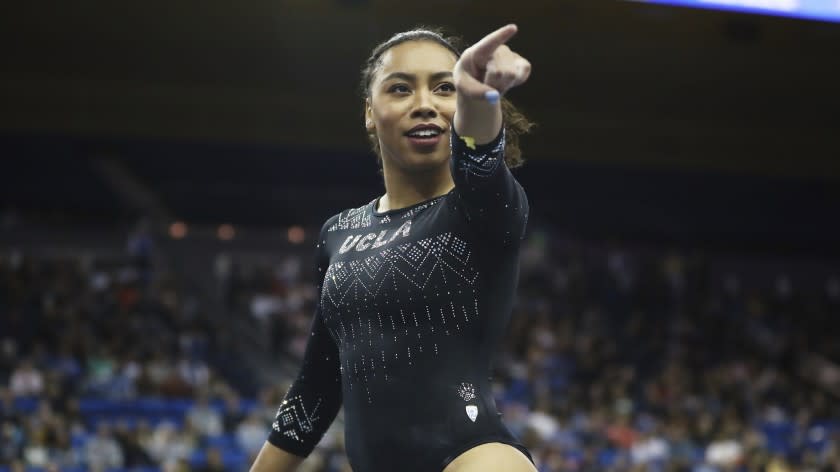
x=472, y=412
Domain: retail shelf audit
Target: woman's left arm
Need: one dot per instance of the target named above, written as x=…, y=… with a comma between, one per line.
x=492, y=200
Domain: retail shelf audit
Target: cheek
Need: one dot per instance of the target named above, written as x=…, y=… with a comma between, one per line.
x=388, y=118
x=385, y=108
x=447, y=109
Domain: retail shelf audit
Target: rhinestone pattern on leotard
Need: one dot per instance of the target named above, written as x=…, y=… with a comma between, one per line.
x=354, y=218
x=357, y=218
x=361, y=304
x=293, y=420
x=480, y=163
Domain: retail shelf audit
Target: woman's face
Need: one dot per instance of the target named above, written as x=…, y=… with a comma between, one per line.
x=412, y=104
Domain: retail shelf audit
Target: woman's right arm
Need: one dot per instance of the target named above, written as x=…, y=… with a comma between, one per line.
x=315, y=396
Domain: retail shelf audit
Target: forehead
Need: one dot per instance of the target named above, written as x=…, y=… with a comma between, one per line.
x=417, y=57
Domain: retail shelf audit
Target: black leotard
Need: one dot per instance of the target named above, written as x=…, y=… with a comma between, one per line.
x=413, y=303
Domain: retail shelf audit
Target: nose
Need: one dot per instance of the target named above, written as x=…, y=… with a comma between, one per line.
x=424, y=108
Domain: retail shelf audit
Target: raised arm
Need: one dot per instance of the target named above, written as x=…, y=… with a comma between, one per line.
x=491, y=198
x=313, y=400
x=485, y=71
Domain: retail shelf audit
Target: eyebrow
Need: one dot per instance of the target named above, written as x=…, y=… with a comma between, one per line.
x=411, y=77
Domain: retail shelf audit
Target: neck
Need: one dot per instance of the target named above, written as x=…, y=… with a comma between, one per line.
x=404, y=190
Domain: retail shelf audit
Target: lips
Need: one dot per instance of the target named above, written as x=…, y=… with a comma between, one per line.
x=424, y=130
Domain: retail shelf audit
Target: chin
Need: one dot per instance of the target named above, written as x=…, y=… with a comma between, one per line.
x=422, y=163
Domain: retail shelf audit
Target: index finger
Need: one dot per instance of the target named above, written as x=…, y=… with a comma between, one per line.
x=483, y=49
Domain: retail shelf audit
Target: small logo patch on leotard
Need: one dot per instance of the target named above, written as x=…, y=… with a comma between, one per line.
x=472, y=412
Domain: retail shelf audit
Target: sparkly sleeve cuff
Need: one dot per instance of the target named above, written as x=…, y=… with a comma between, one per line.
x=480, y=160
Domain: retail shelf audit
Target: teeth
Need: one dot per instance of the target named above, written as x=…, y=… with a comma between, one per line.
x=425, y=133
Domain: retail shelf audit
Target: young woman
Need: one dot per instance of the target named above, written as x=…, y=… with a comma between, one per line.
x=417, y=286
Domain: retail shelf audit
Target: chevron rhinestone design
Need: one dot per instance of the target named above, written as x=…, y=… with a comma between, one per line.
x=292, y=419
x=375, y=331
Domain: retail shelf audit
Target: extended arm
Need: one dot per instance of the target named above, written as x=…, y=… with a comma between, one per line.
x=491, y=199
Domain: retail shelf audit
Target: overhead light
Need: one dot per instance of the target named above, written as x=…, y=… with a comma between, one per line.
x=226, y=232
x=178, y=230
x=815, y=10
x=296, y=235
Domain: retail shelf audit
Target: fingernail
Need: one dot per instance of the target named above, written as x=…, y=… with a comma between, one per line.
x=492, y=96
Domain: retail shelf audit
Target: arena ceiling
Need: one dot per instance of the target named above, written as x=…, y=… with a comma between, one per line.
x=613, y=82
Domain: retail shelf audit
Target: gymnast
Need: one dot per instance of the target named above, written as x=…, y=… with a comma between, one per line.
x=416, y=287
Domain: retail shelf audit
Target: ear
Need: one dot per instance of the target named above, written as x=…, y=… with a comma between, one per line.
x=369, y=125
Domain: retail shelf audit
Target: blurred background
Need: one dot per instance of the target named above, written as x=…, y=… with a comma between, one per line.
x=167, y=164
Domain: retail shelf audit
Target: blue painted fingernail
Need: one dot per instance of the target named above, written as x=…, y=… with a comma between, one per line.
x=492, y=96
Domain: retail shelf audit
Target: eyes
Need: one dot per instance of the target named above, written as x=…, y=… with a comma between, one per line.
x=445, y=88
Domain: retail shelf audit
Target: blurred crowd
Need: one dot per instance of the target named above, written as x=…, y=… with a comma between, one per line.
x=654, y=360
x=626, y=358
x=617, y=358
x=105, y=364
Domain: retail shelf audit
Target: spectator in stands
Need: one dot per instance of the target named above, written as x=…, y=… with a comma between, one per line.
x=176, y=465
x=167, y=444
x=651, y=449
x=251, y=433
x=103, y=451
x=128, y=440
x=12, y=437
x=26, y=380
x=36, y=453
x=204, y=418
x=194, y=372
x=214, y=462
x=233, y=411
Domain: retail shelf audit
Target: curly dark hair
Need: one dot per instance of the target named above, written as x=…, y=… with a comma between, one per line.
x=515, y=123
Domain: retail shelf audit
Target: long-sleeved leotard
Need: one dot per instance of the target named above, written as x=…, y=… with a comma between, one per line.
x=413, y=303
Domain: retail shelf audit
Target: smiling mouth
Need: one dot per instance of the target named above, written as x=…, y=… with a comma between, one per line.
x=424, y=133
x=424, y=142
